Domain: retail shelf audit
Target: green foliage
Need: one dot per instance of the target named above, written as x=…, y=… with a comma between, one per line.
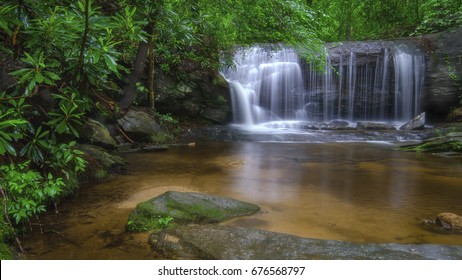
x=140, y=222
x=440, y=15
x=26, y=191
x=170, y=123
x=7, y=20
x=8, y=132
x=36, y=73
x=150, y=225
x=34, y=149
x=452, y=63
x=66, y=157
x=39, y=167
x=165, y=221
x=69, y=116
x=128, y=31
x=167, y=119
x=292, y=23
x=369, y=19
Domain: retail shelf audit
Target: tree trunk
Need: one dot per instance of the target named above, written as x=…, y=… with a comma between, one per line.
x=79, y=68
x=138, y=68
x=151, y=90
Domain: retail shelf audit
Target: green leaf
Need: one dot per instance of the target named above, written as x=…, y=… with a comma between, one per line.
x=76, y=134
x=39, y=77
x=110, y=62
x=53, y=76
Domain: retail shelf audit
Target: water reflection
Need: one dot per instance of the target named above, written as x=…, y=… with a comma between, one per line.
x=360, y=192
x=367, y=192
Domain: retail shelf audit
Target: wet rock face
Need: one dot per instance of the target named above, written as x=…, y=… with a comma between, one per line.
x=186, y=208
x=220, y=242
x=374, y=126
x=416, y=123
x=444, y=67
x=201, y=97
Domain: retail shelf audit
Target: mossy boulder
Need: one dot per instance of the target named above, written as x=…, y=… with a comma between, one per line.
x=100, y=163
x=96, y=133
x=186, y=208
x=142, y=126
x=450, y=143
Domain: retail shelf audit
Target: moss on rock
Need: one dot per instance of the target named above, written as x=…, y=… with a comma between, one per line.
x=450, y=143
x=186, y=208
x=100, y=163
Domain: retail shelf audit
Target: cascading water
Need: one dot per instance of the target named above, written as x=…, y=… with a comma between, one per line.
x=382, y=83
x=266, y=85
x=408, y=83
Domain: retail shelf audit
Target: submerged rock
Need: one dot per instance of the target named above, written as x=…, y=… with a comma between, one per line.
x=220, y=242
x=186, y=208
x=449, y=221
x=416, y=123
x=444, y=223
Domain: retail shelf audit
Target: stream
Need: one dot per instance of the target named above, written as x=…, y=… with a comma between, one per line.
x=363, y=192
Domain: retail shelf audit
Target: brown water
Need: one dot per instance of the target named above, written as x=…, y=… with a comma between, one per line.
x=361, y=192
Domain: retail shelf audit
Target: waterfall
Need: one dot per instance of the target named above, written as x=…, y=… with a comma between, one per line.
x=380, y=83
x=409, y=69
x=266, y=85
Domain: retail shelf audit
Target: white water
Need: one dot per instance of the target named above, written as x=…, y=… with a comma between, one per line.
x=266, y=86
x=273, y=85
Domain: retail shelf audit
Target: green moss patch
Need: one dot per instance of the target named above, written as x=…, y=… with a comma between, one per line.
x=186, y=208
x=452, y=142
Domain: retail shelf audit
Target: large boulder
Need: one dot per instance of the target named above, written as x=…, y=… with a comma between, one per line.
x=142, y=126
x=138, y=122
x=226, y=243
x=186, y=208
x=101, y=163
x=96, y=133
x=418, y=122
